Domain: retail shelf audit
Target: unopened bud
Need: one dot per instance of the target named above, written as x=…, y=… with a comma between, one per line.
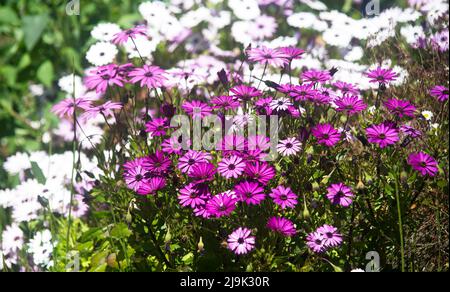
x=111, y=260
x=200, y=245
x=360, y=186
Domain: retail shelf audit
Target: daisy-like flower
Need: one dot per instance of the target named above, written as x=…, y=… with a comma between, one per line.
x=382, y=134
x=68, y=106
x=123, y=36
x=134, y=174
x=241, y=241
x=245, y=93
x=196, y=109
x=423, y=163
x=400, y=107
x=326, y=134
x=350, y=105
x=293, y=53
x=346, y=88
x=193, y=195
x=284, y=197
x=265, y=55
x=282, y=225
x=150, y=76
x=280, y=104
x=203, y=172
x=250, y=192
x=225, y=102
x=157, y=127
x=192, y=158
x=175, y=145
x=231, y=167
x=263, y=105
x=316, y=76
x=157, y=163
x=101, y=53
x=340, y=194
x=289, y=146
x=221, y=205
x=381, y=75
x=261, y=172
x=331, y=236
x=106, y=110
x=105, y=31
x=152, y=185
x=303, y=92
x=104, y=76
x=410, y=131
x=440, y=92
x=315, y=241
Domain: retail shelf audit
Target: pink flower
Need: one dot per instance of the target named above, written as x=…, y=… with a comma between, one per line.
x=68, y=106
x=330, y=235
x=293, y=53
x=340, y=194
x=289, y=146
x=282, y=225
x=346, y=88
x=231, y=167
x=150, y=76
x=105, y=110
x=250, y=192
x=284, y=197
x=316, y=76
x=265, y=55
x=326, y=134
x=245, y=93
x=423, y=163
x=261, y=172
x=382, y=134
x=196, y=109
x=241, y=241
x=350, y=105
x=381, y=75
x=123, y=36
x=192, y=158
x=157, y=127
x=193, y=195
x=440, y=92
x=221, y=205
x=104, y=76
x=400, y=107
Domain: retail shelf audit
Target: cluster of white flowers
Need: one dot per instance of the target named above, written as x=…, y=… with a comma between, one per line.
x=30, y=199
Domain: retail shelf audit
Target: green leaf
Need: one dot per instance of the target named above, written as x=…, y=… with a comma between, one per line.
x=33, y=26
x=24, y=62
x=37, y=172
x=8, y=16
x=45, y=73
x=188, y=259
x=9, y=73
x=120, y=231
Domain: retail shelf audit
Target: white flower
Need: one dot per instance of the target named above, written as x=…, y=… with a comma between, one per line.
x=289, y=146
x=357, y=271
x=245, y=9
x=194, y=17
x=428, y=115
x=105, y=31
x=335, y=36
x=355, y=54
x=144, y=46
x=402, y=76
x=315, y=4
x=17, y=163
x=241, y=30
x=41, y=248
x=36, y=89
x=412, y=33
x=70, y=83
x=364, y=28
x=154, y=12
x=302, y=20
x=101, y=53
x=12, y=239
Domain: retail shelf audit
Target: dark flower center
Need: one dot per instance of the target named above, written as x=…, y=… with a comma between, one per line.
x=191, y=161
x=231, y=167
x=382, y=136
x=423, y=164
x=267, y=56
x=148, y=74
x=138, y=177
x=325, y=136
x=241, y=240
x=283, y=197
x=329, y=234
x=106, y=77
x=289, y=145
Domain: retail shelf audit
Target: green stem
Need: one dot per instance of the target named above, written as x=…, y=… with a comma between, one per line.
x=400, y=225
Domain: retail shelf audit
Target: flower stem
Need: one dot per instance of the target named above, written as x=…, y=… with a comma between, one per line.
x=400, y=225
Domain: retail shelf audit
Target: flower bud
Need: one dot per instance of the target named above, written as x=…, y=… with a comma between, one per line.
x=111, y=260
x=315, y=186
x=360, y=186
x=200, y=245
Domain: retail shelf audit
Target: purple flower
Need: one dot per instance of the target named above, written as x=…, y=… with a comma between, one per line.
x=263, y=105
x=232, y=166
x=105, y=110
x=221, y=205
x=350, y=105
x=381, y=75
x=194, y=195
x=250, y=192
x=340, y=194
x=293, y=53
x=192, y=158
x=157, y=127
x=315, y=241
x=303, y=92
x=104, y=76
x=265, y=55
x=152, y=185
x=440, y=92
x=346, y=88
x=284, y=197
x=400, y=107
x=150, y=76
x=175, y=145
x=410, y=131
x=225, y=102
x=157, y=163
x=68, y=106
x=316, y=76
x=326, y=134
x=330, y=235
x=135, y=173
x=196, y=109
x=202, y=172
x=241, y=241
x=382, y=134
x=289, y=146
x=261, y=172
x=423, y=163
x=245, y=93
x=122, y=37
x=282, y=225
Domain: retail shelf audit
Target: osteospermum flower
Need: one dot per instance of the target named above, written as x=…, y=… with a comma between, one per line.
x=123, y=36
x=150, y=76
x=225, y=102
x=423, y=163
x=250, y=192
x=263, y=105
x=193, y=195
x=280, y=104
x=202, y=172
x=350, y=105
x=303, y=92
x=68, y=106
x=293, y=53
x=192, y=158
x=104, y=76
x=289, y=146
x=284, y=197
x=157, y=127
x=157, y=163
x=175, y=145
x=346, y=88
x=340, y=194
x=106, y=110
x=316, y=76
x=245, y=93
x=196, y=109
x=241, y=241
x=382, y=134
x=315, y=241
x=381, y=75
x=282, y=225
x=400, y=107
x=152, y=185
x=261, y=172
x=326, y=134
x=265, y=55
x=440, y=92
x=134, y=173
x=331, y=236
x=221, y=205
x=231, y=167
